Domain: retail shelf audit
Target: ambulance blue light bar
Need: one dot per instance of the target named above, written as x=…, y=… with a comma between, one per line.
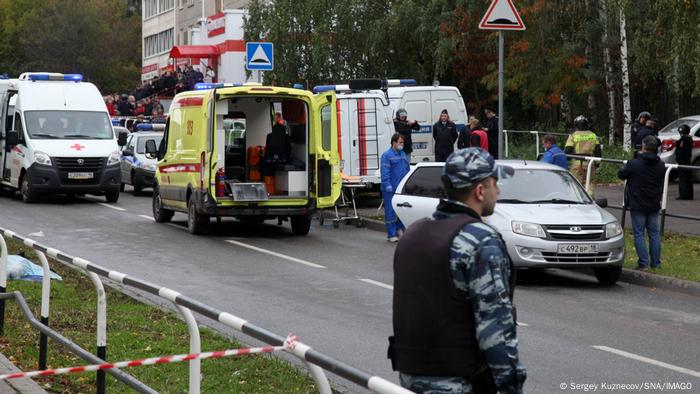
x=115, y=122
x=401, y=82
x=323, y=88
x=53, y=77
x=150, y=127
x=208, y=85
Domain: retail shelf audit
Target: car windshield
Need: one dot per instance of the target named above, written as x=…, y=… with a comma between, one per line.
x=68, y=125
x=673, y=126
x=528, y=186
x=141, y=144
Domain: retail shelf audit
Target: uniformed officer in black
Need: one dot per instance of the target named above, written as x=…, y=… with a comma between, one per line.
x=684, y=152
x=445, y=135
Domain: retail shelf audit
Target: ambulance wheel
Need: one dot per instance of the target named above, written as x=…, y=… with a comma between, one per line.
x=122, y=186
x=160, y=214
x=301, y=224
x=608, y=276
x=195, y=221
x=26, y=191
x=112, y=195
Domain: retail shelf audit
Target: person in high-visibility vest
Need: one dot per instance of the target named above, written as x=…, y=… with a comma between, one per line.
x=583, y=142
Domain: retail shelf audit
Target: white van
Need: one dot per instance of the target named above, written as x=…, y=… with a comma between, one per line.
x=366, y=110
x=57, y=137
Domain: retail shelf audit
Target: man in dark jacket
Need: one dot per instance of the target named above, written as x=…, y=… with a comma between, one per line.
x=491, y=127
x=643, y=192
x=404, y=127
x=684, y=152
x=444, y=135
x=638, y=124
x=648, y=129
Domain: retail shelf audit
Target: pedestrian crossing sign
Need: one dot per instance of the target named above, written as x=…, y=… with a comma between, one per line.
x=259, y=56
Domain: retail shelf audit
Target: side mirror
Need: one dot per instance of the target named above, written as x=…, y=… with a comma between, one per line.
x=121, y=139
x=602, y=202
x=151, y=148
x=12, y=138
x=127, y=152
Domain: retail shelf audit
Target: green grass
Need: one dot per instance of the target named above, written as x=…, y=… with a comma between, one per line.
x=134, y=330
x=680, y=256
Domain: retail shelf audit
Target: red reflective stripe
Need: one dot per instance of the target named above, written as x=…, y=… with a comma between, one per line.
x=189, y=101
x=337, y=119
x=696, y=144
x=175, y=168
x=361, y=131
x=163, y=360
x=106, y=366
x=218, y=354
x=135, y=363
x=77, y=369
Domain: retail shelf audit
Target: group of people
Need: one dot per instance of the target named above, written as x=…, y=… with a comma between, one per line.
x=445, y=134
x=143, y=100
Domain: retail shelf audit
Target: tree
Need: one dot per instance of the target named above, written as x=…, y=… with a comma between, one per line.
x=627, y=112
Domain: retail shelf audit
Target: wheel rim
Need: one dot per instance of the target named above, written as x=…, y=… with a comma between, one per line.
x=190, y=216
x=25, y=189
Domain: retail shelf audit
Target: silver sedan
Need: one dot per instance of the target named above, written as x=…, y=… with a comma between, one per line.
x=544, y=215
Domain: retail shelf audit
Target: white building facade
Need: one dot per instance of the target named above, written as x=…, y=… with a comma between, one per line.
x=206, y=34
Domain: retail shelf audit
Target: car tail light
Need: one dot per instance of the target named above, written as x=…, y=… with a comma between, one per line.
x=667, y=145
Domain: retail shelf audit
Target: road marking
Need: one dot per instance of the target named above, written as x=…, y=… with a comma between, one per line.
x=147, y=217
x=374, y=282
x=522, y=324
x=271, y=253
x=177, y=226
x=649, y=361
x=104, y=204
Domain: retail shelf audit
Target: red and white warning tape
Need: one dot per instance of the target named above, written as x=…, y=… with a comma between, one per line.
x=288, y=344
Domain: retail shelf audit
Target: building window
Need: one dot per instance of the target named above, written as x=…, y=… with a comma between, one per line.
x=150, y=8
x=158, y=43
x=190, y=3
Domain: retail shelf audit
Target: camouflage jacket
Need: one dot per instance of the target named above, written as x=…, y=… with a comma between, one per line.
x=480, y=270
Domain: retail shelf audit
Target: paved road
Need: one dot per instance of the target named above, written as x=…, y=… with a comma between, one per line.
x=332, y=288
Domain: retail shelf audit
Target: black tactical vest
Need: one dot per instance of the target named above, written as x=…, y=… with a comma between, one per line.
x=434, y=328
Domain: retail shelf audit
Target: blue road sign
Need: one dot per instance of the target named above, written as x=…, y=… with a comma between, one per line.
x=259, y=56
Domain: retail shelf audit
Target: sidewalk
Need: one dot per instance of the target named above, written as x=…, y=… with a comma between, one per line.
x=24, y=386
x=614, y=195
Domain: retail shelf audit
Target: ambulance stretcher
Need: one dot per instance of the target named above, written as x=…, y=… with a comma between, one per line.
x=346, y=201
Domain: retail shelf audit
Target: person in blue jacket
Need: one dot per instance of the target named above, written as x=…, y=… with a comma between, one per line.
x=552, y=153
x=394, y=166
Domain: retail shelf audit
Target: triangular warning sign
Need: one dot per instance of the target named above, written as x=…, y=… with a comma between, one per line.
x=502, y=15
x=259, y=56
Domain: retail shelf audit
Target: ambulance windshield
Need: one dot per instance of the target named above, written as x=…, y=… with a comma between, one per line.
x=68, y=125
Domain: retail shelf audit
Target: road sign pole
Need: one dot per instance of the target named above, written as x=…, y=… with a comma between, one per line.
x=500, y=93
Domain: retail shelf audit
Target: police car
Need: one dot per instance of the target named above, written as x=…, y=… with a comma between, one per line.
x=138, y=168
x=546, y=218
x=669, y=135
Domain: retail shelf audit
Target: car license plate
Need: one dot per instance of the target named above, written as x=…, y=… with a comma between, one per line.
x=80, y=175
x=577, y=248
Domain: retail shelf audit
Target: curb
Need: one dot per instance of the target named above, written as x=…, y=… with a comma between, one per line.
x=21, y=385
x=661, y=282
x=629, y=276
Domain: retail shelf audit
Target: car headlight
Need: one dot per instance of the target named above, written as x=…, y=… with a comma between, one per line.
x=613, y=230
x=529, y=229
x=113, y=158
x=42, y=158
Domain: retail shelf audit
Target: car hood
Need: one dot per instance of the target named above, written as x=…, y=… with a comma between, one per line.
x=548, y=214
x=75, y=148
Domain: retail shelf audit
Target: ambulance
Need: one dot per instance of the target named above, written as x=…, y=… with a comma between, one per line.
x=57, y=137
x=366, y=110
x=284, y=165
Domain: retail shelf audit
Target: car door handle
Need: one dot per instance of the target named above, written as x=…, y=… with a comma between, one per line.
x=404, y=205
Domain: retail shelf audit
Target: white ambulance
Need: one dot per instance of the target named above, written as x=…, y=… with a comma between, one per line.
x=366, y=111
x=57, y=137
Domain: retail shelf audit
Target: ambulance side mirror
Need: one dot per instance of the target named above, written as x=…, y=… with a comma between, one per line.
x=121, y=139
x=12, y=138
x=151, y=148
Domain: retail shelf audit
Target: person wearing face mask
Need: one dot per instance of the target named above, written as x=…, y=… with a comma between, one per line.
x=394, y=166
x=444, y=135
